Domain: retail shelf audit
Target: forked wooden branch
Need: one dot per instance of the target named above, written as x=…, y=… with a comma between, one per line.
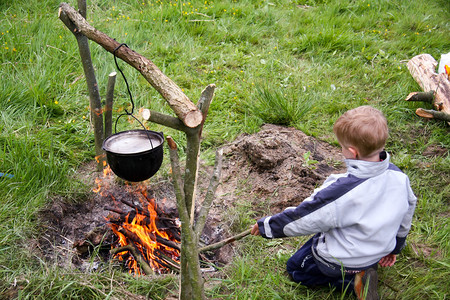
x=191, y=286
x=206, y=205
x=178, y=101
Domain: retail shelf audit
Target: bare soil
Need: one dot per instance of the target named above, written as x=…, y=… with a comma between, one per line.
x=268, y=171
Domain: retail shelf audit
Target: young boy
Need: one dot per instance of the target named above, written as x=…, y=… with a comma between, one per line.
x=360, y=219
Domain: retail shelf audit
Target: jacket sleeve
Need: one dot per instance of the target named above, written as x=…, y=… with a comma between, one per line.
x=304, y=219
x=272, y=226
x=315, y=214
x=405, y=226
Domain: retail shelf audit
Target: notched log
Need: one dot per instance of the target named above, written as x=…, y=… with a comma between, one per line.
x=436, y=87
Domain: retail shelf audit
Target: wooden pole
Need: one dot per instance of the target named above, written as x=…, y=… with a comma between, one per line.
x=421, y=97
x=109, y=103
x=91, y=81
x=433, y=114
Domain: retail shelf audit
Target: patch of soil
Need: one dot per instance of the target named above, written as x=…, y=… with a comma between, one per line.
x=435, y=150
x=268, y=171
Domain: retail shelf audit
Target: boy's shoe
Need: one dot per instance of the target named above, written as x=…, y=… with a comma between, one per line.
x=366, y=280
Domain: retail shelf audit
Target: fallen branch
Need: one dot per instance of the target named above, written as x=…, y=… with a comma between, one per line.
x=116, y=210
x=173, y=265
x=421, y=97
x=147, y=217
x=225, y=241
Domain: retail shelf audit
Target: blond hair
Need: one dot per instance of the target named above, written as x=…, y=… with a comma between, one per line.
x=364, y=128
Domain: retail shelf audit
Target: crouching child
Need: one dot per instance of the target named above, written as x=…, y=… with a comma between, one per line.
x=360, y=219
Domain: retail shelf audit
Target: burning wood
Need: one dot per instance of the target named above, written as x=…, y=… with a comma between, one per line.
x=159, y=248
x=148, y=240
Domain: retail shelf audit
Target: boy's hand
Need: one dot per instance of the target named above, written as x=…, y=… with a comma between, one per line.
x=388, y=260
x=255, y=229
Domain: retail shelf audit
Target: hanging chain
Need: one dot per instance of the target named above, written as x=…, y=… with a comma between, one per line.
x=127, y=113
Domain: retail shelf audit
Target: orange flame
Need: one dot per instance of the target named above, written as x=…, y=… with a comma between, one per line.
x=141, y=229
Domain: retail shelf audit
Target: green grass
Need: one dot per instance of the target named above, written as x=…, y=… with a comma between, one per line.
x=310, y=63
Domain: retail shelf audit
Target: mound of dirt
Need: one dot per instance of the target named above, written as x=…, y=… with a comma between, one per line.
x=278, y=164
x=273, y=169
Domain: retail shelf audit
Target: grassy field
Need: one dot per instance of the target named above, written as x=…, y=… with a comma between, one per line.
x=297, y=63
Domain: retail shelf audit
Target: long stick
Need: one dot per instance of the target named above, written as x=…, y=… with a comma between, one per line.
x=174, y=265
x=225, y=241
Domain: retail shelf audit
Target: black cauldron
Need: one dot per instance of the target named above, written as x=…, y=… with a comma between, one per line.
x=134, y=155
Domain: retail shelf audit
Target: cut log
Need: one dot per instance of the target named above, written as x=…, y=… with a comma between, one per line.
x=427, y=97
x=433, y=114
x=185, y=110
x=423, y=69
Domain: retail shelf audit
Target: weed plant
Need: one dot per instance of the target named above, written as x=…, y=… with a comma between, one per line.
x=299, y=63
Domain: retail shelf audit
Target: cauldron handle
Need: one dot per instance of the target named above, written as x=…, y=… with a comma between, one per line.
x=127, y=113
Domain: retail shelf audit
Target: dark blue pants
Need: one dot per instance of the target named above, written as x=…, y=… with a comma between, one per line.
x=303, y=268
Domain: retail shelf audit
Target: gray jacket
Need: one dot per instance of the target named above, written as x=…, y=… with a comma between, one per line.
x=361, y=216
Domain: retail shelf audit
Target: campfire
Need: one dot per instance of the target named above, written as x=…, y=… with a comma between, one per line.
x=147, y=239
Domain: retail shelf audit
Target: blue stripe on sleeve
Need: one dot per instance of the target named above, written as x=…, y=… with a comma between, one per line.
x=394, y=168
x=324, y=197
